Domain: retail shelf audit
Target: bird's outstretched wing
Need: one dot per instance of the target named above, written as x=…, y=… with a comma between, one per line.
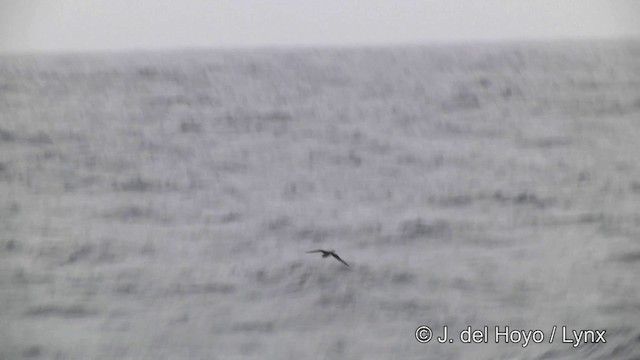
x=339, y=259
x=315, y=251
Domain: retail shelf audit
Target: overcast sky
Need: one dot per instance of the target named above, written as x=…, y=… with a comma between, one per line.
x=37, y=25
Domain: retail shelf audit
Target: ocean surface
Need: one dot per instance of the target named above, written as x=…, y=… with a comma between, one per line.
x=160, y=205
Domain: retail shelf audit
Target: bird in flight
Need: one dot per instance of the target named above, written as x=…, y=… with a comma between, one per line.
x=326, y=253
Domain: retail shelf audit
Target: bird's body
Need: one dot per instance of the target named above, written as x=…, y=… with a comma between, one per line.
x=326, y=253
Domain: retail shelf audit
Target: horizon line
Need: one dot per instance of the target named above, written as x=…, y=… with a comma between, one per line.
x=317, y=46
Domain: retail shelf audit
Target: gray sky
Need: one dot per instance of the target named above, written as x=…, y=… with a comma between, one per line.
x=37, y=25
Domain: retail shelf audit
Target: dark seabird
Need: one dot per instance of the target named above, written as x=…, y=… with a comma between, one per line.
x=326, y=253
